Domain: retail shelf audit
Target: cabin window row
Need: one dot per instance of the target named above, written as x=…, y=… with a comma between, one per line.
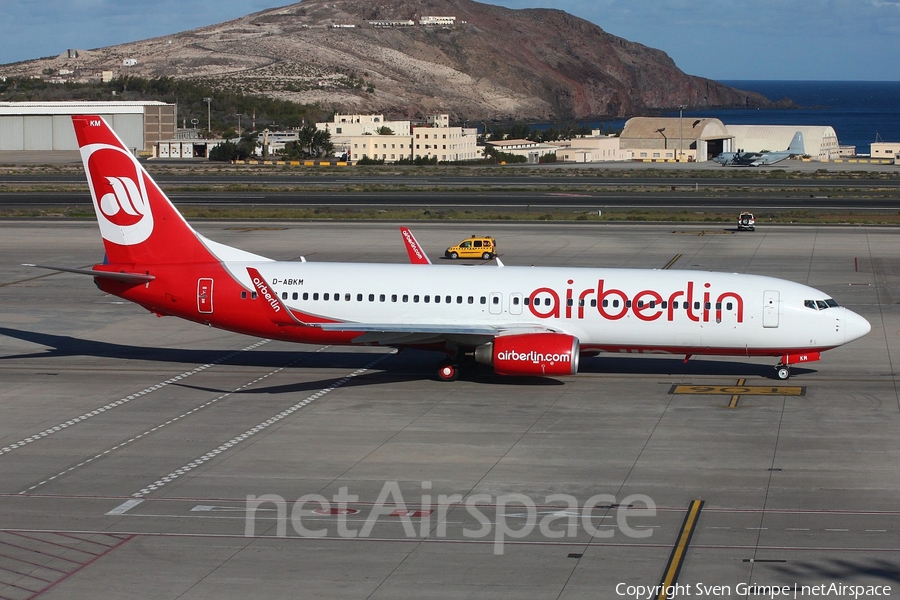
x=516, y=300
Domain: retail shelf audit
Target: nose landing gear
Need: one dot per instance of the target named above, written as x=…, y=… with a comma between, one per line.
x=782, y=372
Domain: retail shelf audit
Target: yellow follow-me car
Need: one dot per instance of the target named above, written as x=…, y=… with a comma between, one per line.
x=473, y=247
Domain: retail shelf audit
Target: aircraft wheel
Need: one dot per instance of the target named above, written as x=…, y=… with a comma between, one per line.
x=448, y=372
x=782, y=372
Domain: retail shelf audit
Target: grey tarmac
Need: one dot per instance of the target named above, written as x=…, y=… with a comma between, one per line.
x=130, y=444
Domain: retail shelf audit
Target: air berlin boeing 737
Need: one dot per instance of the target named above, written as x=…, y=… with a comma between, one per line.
x=519, y=320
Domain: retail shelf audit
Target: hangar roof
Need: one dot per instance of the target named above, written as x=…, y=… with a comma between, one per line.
x=689, y=128
x=76, y=107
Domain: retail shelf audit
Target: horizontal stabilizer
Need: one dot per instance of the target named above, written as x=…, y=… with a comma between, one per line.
x=113, y=275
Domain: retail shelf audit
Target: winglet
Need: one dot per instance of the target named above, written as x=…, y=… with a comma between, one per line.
x=417, y=256
x=278, y=312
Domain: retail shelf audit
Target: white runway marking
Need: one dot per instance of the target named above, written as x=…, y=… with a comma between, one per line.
x=161, y=425
x=124, y=507
x=127, y=399
x=251, y=432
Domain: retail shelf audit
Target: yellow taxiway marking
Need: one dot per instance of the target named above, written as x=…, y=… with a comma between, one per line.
x=735, y=398
x=676, y=559
x=672, y=262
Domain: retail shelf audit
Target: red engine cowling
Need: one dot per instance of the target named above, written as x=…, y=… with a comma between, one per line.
x=531, y=354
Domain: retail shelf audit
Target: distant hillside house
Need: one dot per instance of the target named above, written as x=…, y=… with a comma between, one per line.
x=440, y=21
x=397, y=23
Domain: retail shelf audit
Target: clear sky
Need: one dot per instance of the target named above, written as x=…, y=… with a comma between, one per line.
x=719, y=39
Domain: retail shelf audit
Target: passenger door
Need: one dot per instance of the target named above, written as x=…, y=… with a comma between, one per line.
x=771, y=307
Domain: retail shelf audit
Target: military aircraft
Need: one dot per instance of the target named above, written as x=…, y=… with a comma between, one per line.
x=755, y=159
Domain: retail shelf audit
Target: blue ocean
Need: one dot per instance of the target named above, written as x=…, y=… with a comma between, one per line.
x=861, y=112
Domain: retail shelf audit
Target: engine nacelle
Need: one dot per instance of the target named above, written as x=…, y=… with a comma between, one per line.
x=531, y=354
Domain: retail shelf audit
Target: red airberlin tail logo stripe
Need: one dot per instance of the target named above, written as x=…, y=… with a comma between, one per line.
x=646, y=305
x=125, y=198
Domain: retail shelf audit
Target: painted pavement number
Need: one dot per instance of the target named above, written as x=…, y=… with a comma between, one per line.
x=742, y=390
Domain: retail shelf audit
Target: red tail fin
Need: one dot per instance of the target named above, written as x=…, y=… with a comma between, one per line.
x=138, y=223
x=416, y=254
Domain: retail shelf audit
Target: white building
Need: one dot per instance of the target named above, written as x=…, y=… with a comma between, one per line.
x=352, y=125
x=595, y=148
x=359, y=137
x=885, y=150
x=532, y=151
x=447, y=144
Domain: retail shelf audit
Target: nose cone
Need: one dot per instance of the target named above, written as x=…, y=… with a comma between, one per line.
x=855, y=326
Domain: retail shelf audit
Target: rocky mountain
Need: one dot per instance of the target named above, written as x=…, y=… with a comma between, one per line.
x=489, y=63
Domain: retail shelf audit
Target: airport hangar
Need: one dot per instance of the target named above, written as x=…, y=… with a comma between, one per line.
x=47, y=126
x=690, y=138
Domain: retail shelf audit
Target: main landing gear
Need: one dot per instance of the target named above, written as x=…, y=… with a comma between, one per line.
x=448, y=371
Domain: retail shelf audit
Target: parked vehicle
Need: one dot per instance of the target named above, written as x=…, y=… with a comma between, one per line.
x=474, y=247
x=746, y=222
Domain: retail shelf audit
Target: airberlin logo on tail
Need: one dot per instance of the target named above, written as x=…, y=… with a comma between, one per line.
x=120, y=194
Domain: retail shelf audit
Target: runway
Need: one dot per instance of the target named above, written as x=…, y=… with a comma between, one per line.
x=150, y=457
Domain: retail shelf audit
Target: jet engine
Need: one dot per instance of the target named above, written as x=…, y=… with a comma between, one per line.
x=531, y=354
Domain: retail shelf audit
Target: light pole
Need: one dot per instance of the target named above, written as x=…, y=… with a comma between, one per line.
x=239, y=124
x=681, y=108
x=208, y=111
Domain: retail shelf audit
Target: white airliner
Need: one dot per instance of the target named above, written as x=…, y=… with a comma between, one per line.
x=519, y=320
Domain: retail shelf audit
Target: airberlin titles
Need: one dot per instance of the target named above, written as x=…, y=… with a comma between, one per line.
x=647, y=305
x=698, y=305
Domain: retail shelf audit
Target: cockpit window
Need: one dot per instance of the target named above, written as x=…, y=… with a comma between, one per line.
x=820, y=304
